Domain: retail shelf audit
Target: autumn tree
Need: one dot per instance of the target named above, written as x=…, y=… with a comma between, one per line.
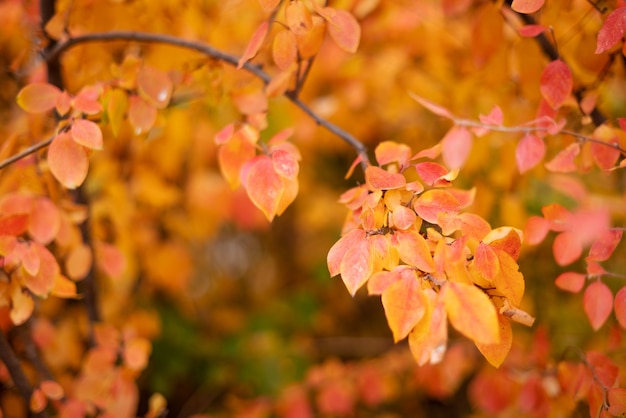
x=170, y=238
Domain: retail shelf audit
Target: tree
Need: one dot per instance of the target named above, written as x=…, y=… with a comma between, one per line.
x=168, y=225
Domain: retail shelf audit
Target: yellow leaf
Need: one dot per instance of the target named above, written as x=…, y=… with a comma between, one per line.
x=471, y=312
x=496, y=353
x=404, y=303
x=38, y=97
x=509, y=281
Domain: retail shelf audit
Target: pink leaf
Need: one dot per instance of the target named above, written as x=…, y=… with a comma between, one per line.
x=527, y=6
x=570, y=281
x=456, y=146
x=529, y=152
x=620, y=306
x=68, y=161
x=598, y=304
x=566, y=248
x=530, y=31
x=87, y=134
x=563, y=162
x=255, y=44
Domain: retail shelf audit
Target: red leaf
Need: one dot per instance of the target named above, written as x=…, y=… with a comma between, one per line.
x=403, y=217
x=495, y=117
x=486, y=261
x=342, y=27
x=87, y=134
x=432, y=173
x=617, y=402
x=379, y=179
x=263, y=185
x=563, y=162
x=155, y=86
x=603, y=247
x=530, y=31
x=598, y=304
x=255, y=44
x=612, y=30
x=431, y=202
x=68, y=161
x=38, y=97
x=14, y=224
x=570, y=281
x=604, y=152
x=556, y=83
x=529, y=152
x=456, y=146
x=536, y=230
x=527, y=6
x=620, y=306
x=404, y=303
x=566, y=248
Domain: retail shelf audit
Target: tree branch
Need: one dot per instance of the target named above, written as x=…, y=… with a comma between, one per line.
x=54, y=53
x=26, y=152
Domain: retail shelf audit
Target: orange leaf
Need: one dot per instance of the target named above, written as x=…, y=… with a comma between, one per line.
x=379, y=179
x=38, y=401
x=269, y=5
x=110, y=260
x=15, y=224
x=310, y=41
x=87, y=100
x=612, y=30
x=404, y=303
x=285, y=49
x=496, y=353
x=255, y=44
x=431, y=202
x=530, y=31
x=279, y=84
x=87, y=134
x=604, y=245
x=68, y=161
x=381, y=280
x=117, y=107
x=486, y=261
x=529, y=152
x=233, y=155
x=432, y=173
x=154, y=86
x=527, y=6
x=263, y=185
x=64, y=287
x=79, y=262
x=64, y=103
x=38, y=97
x=388, y=152
x=413, y=250
x=45, y=220
x=617, y=402
x=429, y=337
x=342, y=27
x=356, y=266
x=285, y=164
x=141, y=115
x=566, y=248
x=338, y=251
x=471, y=312
x=604, y=153
x=290, y=192
x=509, y=281
x=556, y=83
x=52, y=389
x=620, y=306
x=298, y=17
x=469, y=224
x=22, y=305
x=136, y=353
x=456, y=146
x=43, y=281
x=437, y=110
x=570, y=281
x=597, y=303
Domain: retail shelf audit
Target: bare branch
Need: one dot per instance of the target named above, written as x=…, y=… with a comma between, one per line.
x=25, y=153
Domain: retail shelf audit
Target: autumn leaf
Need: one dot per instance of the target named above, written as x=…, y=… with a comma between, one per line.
x=79, y=262
x=597, y=303
x=456, y=146
x=530, y=31
x=255, y=44
x=38, y=97
x=556, y=83
x=15, y=224
x=612, y=30
x=435, y=108
x=264, y=185
x=141, y=114
x=536, y=230
x=342, y=27
x=431, y=202
x=404, y=304
x=403, y=218
x=63, y=287
x=338, y=251
x=414, y=250
x=604, y=152
x=269, y=5
x=379, y=179
x=432, y=173
x=471, y=312
x=154, y=86
x=68, y=161
x=284, y=49
x=570, y=281
x=566, y=248
x=529, y=152
x=87, y=134
x=45, y=220
x=22, y=305
x=563, y=162
x=429, y=337
x=285, y=164
x=298, y=17
x=42, y=282
x=508, y=280
x=527, y=6
x=605, y=244
x=496, y=353
x=486, y=261
x=356, y=266
x=620, y=306
x=388, y=152
x=233, y=155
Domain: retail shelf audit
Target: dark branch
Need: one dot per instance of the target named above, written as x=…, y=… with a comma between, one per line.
x=25, y=153
x=210, y=51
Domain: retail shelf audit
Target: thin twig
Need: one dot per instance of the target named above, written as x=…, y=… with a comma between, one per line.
x=211, y=52
x=26, y=152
